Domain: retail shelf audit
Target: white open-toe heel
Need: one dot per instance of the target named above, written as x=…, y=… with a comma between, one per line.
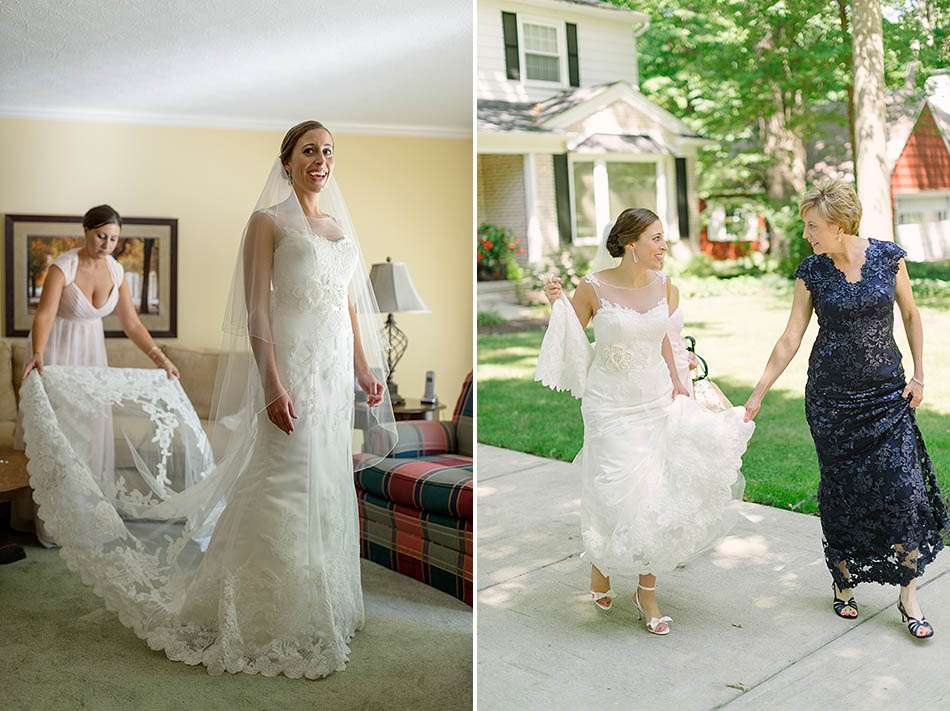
x=653, y=622
x=603, y=600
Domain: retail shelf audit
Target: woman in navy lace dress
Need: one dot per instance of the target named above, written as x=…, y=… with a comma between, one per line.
x=882, y=516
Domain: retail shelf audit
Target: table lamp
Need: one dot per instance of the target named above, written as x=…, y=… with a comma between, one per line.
x=395, y=294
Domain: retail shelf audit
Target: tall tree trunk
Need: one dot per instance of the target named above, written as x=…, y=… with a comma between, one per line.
x=846, y=32
x=785, y=175
x=870, y=151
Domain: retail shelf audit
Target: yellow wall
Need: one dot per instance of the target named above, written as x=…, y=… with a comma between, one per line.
x=411, y=199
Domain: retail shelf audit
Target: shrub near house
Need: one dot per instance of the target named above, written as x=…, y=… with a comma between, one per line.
x=497, y=252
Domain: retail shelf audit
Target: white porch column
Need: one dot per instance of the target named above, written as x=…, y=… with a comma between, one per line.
x=533, y=236
x=663, y=198
x=601, y=198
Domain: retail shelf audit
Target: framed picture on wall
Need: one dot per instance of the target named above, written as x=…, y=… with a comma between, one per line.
x=147, y=250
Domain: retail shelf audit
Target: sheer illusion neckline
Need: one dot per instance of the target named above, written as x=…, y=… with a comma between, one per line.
x=629, y=309
x=314, y=220
x=596, y=278
x=861, y=274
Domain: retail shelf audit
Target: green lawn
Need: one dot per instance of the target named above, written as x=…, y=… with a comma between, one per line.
x=735, y=334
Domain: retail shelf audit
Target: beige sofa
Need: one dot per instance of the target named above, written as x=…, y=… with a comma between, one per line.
x=197, y=368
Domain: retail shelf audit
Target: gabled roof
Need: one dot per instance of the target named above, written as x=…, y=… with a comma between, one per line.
x=567, y=107
x=940, y=109
x=503, y=116
x=625, y=143
x=904, y=112
x=595, y=7
x=599, y=4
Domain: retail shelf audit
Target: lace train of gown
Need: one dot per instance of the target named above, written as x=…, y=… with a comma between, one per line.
x=248, y=564
x=660, y=477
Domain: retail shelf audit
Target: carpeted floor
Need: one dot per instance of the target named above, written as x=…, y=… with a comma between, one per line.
x=61, y=649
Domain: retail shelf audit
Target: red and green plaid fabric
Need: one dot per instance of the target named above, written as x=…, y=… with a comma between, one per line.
x=416, y=505
x=439, y=484
x=463, y=418
x=420, y=438
x=436, y=550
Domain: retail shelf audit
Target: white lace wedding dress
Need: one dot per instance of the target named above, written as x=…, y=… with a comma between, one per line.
x=248, y=564
x=660, y=477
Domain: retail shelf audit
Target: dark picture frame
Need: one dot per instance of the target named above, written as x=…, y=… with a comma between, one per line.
x=148, y=249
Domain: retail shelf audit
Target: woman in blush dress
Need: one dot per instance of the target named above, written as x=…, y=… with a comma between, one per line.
x=882, y=516
x=81, y=288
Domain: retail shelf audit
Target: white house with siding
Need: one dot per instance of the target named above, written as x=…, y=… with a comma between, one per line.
x=565, y=138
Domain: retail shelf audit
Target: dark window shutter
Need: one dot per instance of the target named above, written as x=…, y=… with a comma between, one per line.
x=509, y=26
x=573, y=65
x=562, y=198
x=682, y=198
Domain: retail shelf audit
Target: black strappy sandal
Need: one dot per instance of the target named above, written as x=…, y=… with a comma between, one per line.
x=840, y=604
x=914, y=624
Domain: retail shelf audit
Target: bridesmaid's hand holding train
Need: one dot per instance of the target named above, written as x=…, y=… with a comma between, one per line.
x=35, y=363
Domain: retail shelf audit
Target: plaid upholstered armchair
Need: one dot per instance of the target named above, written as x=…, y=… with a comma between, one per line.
x=416, y=505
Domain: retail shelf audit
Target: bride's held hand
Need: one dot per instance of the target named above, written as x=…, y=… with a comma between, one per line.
x=552, y=289
x=281, y=413
x=371, y=386
x=680, y=389
x=752, y=407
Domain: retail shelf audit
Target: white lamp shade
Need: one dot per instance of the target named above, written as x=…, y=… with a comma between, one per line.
x=395, y=292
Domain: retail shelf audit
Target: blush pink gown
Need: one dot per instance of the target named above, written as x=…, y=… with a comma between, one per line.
x=78, y=338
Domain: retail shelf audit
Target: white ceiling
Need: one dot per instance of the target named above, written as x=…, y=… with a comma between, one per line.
x=361, y=65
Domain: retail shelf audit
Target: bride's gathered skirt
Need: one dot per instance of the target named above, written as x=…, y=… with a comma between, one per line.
x=660, y=477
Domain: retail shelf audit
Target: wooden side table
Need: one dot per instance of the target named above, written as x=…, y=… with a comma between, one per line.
x=14, y=481
x=414, y=409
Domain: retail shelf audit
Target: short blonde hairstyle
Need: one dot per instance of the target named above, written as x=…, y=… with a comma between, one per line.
x=836, y=202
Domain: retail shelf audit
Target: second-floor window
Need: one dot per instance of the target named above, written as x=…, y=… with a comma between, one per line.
x=541, y=54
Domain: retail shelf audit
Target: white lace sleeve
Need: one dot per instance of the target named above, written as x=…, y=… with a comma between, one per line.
x=566, y=353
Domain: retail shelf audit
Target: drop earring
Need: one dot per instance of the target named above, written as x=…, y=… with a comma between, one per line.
x=633, y=253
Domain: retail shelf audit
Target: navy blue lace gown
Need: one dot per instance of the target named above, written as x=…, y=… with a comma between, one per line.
x=881, y=510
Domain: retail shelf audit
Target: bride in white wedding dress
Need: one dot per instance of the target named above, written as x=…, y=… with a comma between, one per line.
x=247, y=560
x=660, y=472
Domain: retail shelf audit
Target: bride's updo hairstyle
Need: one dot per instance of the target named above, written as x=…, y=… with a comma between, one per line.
x=629, y=226
x=100, y=215
x=294, y=134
